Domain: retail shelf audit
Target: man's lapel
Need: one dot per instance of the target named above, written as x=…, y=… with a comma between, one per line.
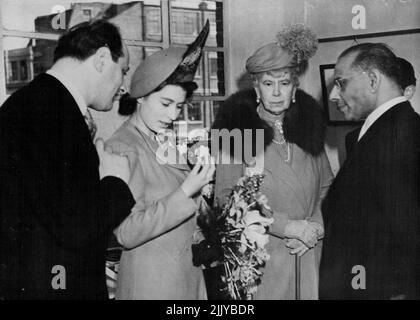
x=351, y=140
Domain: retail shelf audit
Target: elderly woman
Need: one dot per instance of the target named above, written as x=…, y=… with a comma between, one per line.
x=157, y=235
x=297, y=171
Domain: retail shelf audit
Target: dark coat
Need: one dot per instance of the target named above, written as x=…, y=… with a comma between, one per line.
x=351, y=139
x=372, y=213
x=54, y=209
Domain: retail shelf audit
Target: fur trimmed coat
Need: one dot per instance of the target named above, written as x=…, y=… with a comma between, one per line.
x=294, y=189
x=304, y=122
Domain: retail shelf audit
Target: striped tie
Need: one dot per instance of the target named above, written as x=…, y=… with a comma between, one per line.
x=90, y=123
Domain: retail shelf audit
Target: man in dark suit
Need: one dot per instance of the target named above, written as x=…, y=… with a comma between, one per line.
x=407, y=82
x=372, y=210
x=59, y=196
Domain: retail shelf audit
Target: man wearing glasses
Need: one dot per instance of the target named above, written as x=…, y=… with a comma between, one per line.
x=372, y=211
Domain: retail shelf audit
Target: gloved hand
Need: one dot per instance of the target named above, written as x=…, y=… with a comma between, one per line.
x=303, y=231
x=297, y=246
x=319, y=229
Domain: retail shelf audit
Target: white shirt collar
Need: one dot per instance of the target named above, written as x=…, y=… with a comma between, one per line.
x=378, y=112
x=81, y=103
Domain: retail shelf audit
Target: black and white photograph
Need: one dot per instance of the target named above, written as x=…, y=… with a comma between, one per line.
x=227, y=151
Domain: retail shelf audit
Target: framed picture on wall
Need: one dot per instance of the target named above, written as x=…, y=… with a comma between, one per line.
x=334, y=116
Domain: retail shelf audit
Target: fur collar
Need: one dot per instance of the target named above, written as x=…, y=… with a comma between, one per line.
x=304, y=122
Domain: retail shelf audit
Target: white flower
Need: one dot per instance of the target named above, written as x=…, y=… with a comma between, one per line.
x=255, y=234
x=203, y=153
x=254, y=217
x=263, y=201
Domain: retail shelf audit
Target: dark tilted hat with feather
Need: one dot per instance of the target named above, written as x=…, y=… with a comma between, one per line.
x=173, y=65
x=295, y=45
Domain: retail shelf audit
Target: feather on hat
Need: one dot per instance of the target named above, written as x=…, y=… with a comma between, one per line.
x=294, y=46
x=173, y=64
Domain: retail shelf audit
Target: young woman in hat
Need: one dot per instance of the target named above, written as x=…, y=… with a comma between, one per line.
x=297, y=171
x=157, y=235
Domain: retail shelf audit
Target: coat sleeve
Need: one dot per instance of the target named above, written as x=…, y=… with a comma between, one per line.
x=64, y=193
x=400, y=193
x=150, y=220
x=325, y=180
x=116, y=200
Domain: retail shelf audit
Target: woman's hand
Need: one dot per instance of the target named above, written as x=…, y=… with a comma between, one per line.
x=319, y=229
x=297, y=246
x=200, y=175
x=111, y=164
x=303, y=231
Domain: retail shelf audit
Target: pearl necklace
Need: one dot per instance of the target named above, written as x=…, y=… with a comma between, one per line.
x=278, y=124
x=285, y=146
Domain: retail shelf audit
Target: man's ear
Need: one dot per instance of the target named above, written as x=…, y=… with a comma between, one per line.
x=409, y=91
x=374, y=79
x=101, y=58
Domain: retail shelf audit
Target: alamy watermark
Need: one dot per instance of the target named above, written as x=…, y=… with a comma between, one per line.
x=225, y=147
x=58, y=281
x=358, y=282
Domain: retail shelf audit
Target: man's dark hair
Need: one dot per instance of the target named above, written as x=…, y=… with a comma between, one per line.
x=407, y=76
x=82, y=40
x=375, y=55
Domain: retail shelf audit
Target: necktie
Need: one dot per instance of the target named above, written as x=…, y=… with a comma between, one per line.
x=90, y=123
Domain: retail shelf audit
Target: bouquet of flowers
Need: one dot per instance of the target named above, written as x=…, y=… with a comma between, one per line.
x=235, y=236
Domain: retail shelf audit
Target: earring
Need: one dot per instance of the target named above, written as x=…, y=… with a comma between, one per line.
x=293, y=100
x=258, y=100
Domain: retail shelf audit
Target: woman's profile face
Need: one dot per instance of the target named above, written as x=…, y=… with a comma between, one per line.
x=160, y=109
x=276, y=91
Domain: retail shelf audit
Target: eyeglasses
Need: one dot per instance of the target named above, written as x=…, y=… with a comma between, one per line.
x=340, y=82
